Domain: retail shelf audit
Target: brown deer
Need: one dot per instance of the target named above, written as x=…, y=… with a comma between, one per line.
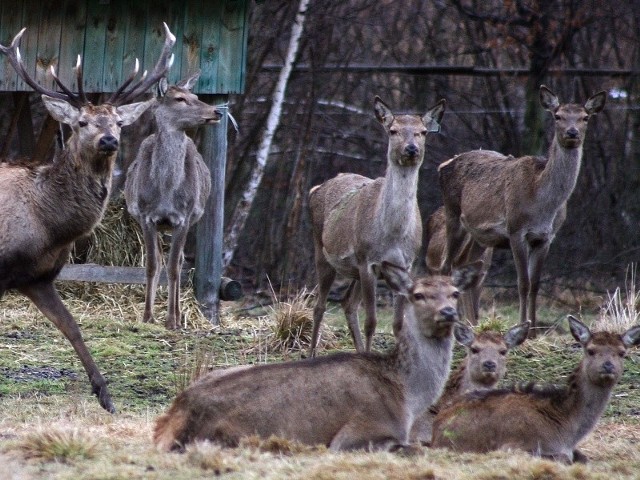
x=344, y=400
x=469, y=252
x=46, y=208
x=482, y=368
x=544, y=421
x=167, y=186
x=502, y=201
x=359, y=222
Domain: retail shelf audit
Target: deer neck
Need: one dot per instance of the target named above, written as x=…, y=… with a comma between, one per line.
x=458, y=382
x=583, y=405
x=75, y=189
x=168, y=153
x=397, y=202
x=423, y=363
x=557, y=181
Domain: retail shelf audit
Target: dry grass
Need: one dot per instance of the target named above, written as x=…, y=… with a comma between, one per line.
x=621, y=310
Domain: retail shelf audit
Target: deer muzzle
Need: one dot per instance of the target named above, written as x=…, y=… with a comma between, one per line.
x=108, y=143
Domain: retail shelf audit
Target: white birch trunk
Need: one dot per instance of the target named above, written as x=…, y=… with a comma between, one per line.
x=243, y=207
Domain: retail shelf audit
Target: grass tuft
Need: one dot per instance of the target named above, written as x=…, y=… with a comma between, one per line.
x=212, y=458
x=58, y=445
x=620, y=312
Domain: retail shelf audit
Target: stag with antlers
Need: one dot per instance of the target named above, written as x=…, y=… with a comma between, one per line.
x=46, y=208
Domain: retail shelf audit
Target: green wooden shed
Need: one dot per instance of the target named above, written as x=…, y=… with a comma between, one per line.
x=211, y=35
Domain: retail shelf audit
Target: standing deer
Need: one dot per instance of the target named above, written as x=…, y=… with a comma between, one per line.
x=469, y=252
x=543, y=421
x=358, y=222
x=167, y=186
x=502, y=201
x=482, y=368
x=46, y=208
x=344, y=401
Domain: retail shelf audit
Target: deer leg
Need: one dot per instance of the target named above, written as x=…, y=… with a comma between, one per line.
x=46, y=298
x=368, y=287
x=536, y=260
x=520, y=258
x=174, y=266
x=350, y=305
x=455, y=239
x=326, y=276
x=399, y=303
x=154, y=261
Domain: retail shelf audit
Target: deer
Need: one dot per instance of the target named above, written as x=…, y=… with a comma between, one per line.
x=469, y=252
x=517, y=203
x=45, y=208
x=545, y=421
x=484, y=365
x=345, y=400
x=167, y=187
x=359, y=222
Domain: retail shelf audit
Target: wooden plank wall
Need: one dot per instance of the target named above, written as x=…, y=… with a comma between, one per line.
x=111, y=34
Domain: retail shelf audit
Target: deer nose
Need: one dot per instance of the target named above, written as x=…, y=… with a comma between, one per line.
x=489, y=365
x=608, y=367
x=572, y=132
x=449, y=314
x=108, y=143
x=411, y=150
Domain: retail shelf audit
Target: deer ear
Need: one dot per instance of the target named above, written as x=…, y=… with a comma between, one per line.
x=189, y=82
x=548, y=99
x=579, y=330
x=631, y=337
x=163, y=86
x=464, y=335
x=467, y=276
x=596, y=103
x=130, y=113
x=61, y=110
x=433, y=117
x=516, y=335
x=396, y=277
x=383, y=113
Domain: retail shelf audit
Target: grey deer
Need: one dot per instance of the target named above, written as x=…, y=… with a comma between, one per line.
x=358, y=222
x=517, y=203
x=482, y=368
x=543, y=421
x=46, y=208
x=469, y=252
x=167, y=187
x=344, y=401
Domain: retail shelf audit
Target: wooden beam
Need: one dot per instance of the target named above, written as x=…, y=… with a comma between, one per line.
x=91, y=272
x=210, y=227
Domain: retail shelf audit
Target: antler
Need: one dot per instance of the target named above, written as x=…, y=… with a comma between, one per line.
x=120, y=97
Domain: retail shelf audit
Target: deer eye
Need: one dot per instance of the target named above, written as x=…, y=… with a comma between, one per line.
x=503, y=352
x=557, y=117
x=584, y=119
x=418, y=296
x=622, y=354
x=455, y=294
x=82, y=123
x=591, y=352
x=120, y=123
x=475, y=350
x=180, y=99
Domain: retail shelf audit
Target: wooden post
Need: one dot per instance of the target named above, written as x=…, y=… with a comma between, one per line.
x=209, y=234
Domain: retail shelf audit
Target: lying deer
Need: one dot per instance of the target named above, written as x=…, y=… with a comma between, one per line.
x=46, y=208
x=517, y=203
x=358, y=222
x=482, y=368
x=544, y=421
x=167, y=186
x=345, y=400
x=469, y=252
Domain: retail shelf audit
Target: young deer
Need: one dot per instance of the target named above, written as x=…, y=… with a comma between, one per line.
x=483, y=367
x=46, y=208
x=548, y=421
x=358, y=222
x=167, y=186
x=345, y=400
x=517, y=203
x=469, y=252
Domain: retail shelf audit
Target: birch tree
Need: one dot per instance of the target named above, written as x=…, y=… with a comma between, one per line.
x=241, y=211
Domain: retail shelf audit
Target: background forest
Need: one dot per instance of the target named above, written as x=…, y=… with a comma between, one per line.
x=487, y=59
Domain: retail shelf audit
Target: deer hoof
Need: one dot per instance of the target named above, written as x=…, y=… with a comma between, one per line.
x=104, y=397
